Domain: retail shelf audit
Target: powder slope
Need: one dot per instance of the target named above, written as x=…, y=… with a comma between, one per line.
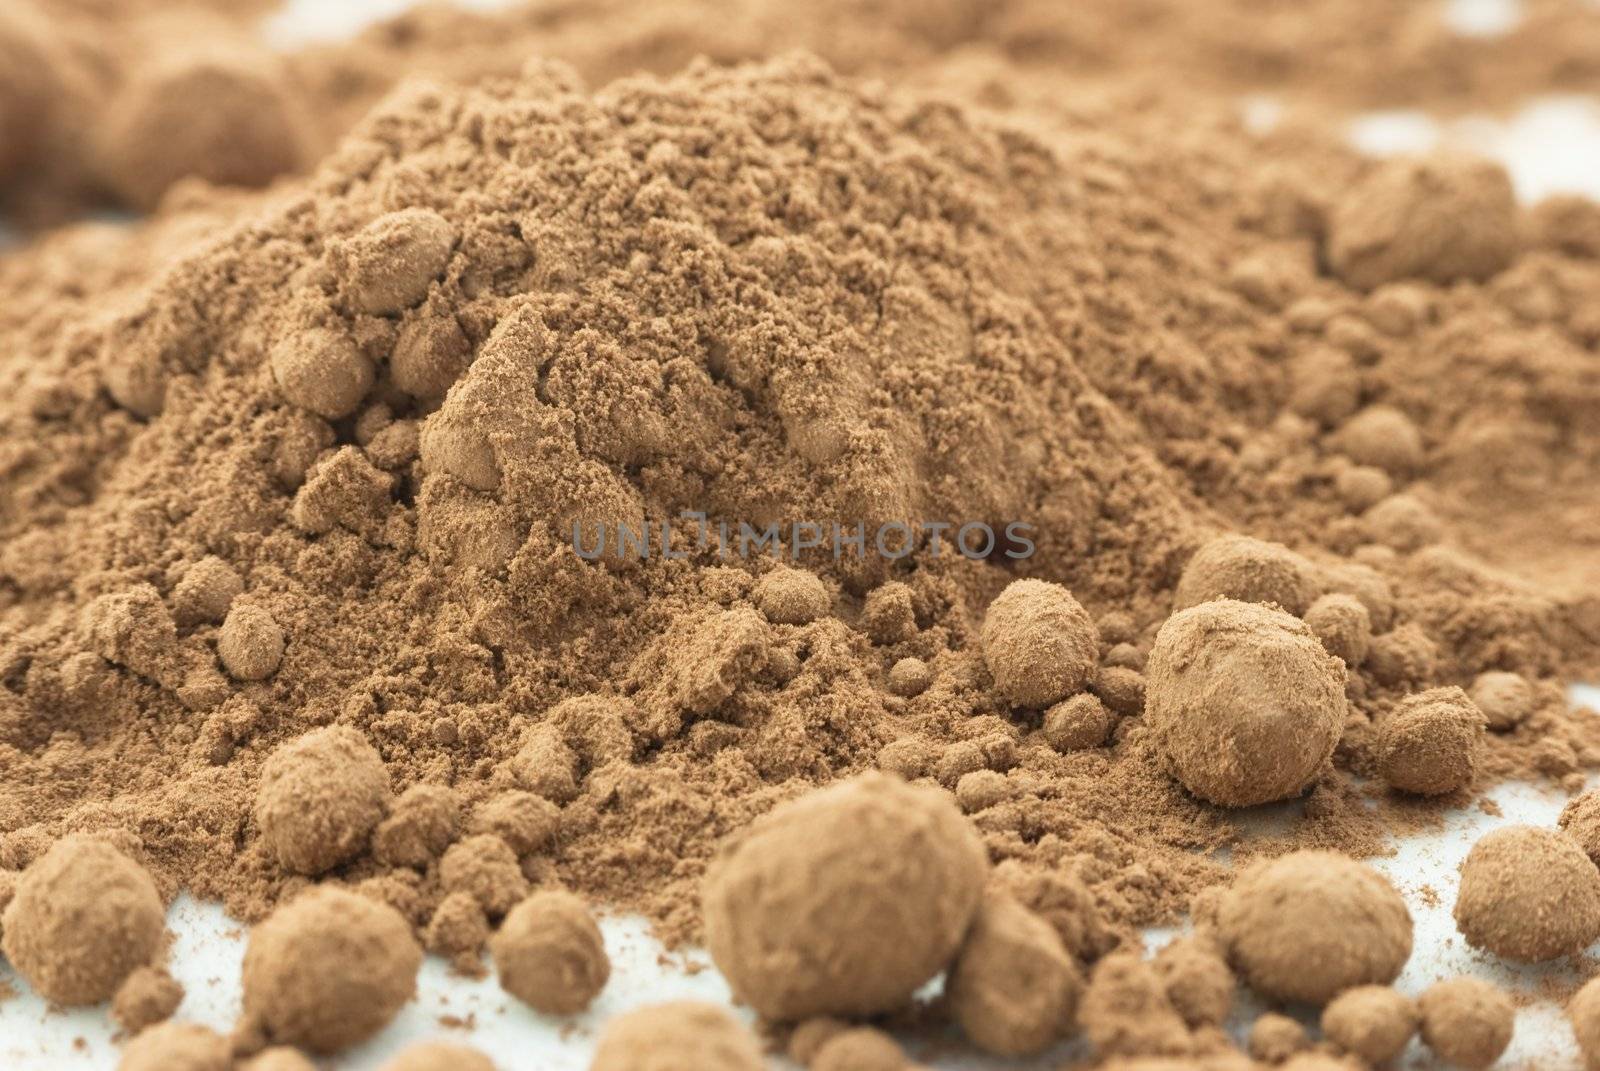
x=767, y=294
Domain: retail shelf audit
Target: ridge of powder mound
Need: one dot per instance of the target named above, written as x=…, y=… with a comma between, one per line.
x=765, y=293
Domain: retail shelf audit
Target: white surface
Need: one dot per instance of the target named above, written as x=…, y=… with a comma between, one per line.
x=1550, y=146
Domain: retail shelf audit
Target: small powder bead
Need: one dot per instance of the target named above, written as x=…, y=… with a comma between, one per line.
x=861, y=1048
x=322, y=371
x=910, y=677
x=388, y=266
x=1012, y=988
x=790, y=596
x=205, y=592
x=1383, y=437
x=1506, y=699
x=682, y=1035
x=148, y=996
x=1431, y=742
x=320, y=797
x=420, y=827
x=1343, y=625
x=1274, y=1038
x=251, y=643
x=430, y=354
x=1246, y=569
x=1040, y=645
x=1583, y=1011
x=550, y=955
x=484, y=867
x=1373, y=1022
x=1077, y=723
x=1466, y=1022
x=177, y=1047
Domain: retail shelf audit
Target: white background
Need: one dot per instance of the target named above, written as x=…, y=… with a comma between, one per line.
x=1552, y=146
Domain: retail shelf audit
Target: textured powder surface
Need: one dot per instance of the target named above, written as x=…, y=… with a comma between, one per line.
x=1372, y=1022
x=549, y=954
x=1466, y=1021
x=1013, y=987
x=683, y=1036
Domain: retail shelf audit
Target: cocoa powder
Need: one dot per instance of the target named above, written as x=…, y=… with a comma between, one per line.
x=292, y=590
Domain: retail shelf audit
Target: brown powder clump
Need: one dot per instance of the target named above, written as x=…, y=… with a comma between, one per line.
x=1372, y=1022
x=1506, y=699
x=1198, y=981
x=1245, y=703
x=1431, y=743
x=328, y=970
x=320, y=798
x=84, y=916
x=861, y=1048
x=1246, y=569
x=1466, y=1022
x=485, y=868
x=1082, y=721
x=549, y=954
x=1439, y=218
x=1311, y=924
x=1125, y=1010
x=250, y=643
x=420, y=826
x=681, y=1036
x=1528, y=894
x=845, y=901
x=1580, y=820
x=1344, y=625
x=791, y=596
x=1013, y=988
x=439, y=1056
x=177, y=1047
x=278, y=1058
x=1583, y=1011
x=458, y=931
x=149, y=995
x=1274, y=1038
x=1038, y=643
x=388, y=266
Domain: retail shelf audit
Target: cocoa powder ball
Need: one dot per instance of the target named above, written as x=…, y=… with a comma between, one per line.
x=1372, y=1022
x=320, y=797
x=1197, y=979
x=1311, y=924
x=1013, y=988
x=1039, y=644
x=1431, y=743
x=845, y=900
x=789, y=596
x=323, y=372
x=484, y=867
x=147, y=996
x=329, y=969
x=84, y=917
x=1243, y=701
x=1528, y=894
x=1344, y=627
x=1384, y=438
x=177, y=1047
x=278, y=1058
x=1466, y=1022
x=861, y=1048
x=206, y=592
x=1274, y=1038
x=1437, y=218
x=223, y=117
x=250, y=643
x=1580, y=819
x=1080, y=722
x=680, y=1036
x=1246, y=569
x=439, y=1056
x=388, y=266
x=1506, y=699
x=550, y=955
x=1583, y=1011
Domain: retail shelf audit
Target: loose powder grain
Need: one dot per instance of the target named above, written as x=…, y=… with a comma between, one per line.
x=287, y=587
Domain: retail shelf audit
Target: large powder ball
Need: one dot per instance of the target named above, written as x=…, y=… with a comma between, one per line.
x=329, y=969
x=439, y=1056
x=681, y=1036
x=177, y=1047
x=1431, y=742
x=84, y=917
x=320, y=797
x=1466, y=1022
x=1249, y=570
x=550, y=955
x=1311, y=924
x=1373, y=1022
x=1528, y=894
x=1244, y=701
x=1013, y=987
x=844, y=901
x=225, y=117
x=1438, y=218
x=1039, y=644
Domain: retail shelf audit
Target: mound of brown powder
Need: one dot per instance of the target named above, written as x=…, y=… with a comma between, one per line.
x=297, y=490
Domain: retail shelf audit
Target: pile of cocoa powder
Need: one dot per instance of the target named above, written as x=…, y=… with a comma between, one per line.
x=289, y=595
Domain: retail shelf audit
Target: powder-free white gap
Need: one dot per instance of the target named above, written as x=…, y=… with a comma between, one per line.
x=1482, y=18
x=298, y=23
